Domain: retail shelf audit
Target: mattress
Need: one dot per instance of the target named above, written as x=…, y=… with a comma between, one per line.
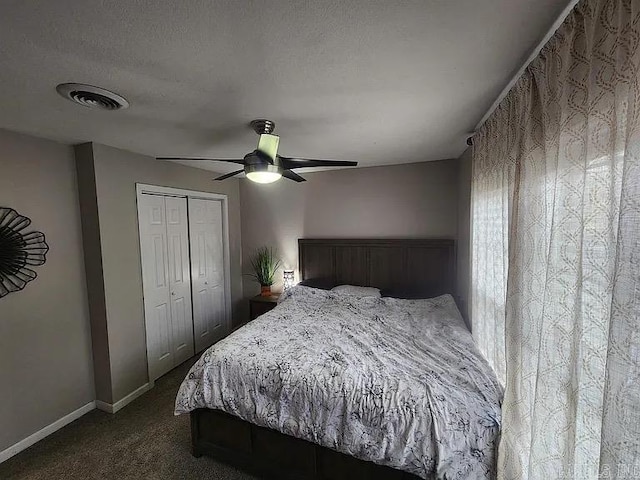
x=395, y=382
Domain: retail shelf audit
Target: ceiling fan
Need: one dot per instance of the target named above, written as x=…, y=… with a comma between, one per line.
x=264, y=165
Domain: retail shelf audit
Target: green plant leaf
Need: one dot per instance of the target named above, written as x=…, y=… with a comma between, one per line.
x=265, y=263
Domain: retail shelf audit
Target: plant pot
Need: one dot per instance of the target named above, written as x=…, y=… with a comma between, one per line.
x=265, y=290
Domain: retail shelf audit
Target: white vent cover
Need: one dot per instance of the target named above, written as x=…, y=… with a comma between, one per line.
x=92, y=97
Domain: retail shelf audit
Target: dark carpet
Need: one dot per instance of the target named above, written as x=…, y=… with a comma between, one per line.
x=144, y=440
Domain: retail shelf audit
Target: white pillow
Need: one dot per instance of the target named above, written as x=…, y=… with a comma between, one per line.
x=357, y=291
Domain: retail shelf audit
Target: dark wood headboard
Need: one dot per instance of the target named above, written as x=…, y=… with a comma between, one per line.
x=414, y=268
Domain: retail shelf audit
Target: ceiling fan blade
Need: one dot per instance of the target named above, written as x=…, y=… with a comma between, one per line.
x=293, y=176
x=290, y=163
x=232, y=160
x=229, y=175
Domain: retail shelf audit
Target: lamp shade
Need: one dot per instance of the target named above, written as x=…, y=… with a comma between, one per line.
x=288, y=279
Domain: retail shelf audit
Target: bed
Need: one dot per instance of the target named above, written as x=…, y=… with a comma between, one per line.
x=334, y=386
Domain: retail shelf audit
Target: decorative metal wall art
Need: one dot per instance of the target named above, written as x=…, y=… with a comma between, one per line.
x=19, y=250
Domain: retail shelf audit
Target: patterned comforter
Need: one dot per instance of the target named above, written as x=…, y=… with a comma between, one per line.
x=395, y=382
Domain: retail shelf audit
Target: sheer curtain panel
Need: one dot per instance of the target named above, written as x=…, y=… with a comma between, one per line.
x=556, y=251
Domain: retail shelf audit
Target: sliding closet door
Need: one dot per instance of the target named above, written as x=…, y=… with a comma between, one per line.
x=179, y=278
x=207, y=272
x=155, y=272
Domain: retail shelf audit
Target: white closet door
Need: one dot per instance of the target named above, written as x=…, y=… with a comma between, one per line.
x=179, y=278
x=207, y=272
x=155, y=271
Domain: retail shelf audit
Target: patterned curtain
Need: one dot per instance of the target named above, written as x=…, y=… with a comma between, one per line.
x=556, y=251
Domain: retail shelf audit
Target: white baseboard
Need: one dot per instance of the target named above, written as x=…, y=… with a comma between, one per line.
x=114, y=407
x=67, y=419
x=46, y=431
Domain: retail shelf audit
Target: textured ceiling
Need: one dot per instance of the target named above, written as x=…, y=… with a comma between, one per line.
x=381, y=82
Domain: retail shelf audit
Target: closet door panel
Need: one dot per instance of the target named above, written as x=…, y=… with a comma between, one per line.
x=199, y=276
x=207, y=273
x=155, y=271
x=217, y=322
x=179, y=278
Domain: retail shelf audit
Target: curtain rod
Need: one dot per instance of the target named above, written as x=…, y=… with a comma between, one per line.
x=536, y=51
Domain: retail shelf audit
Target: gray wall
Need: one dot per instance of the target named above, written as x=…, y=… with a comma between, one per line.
x=93, y=267
x=45, y=346
x=464, y=233
x=412, y=200
x=116, y=174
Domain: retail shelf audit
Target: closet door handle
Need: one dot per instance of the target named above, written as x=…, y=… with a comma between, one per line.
x=173, y=293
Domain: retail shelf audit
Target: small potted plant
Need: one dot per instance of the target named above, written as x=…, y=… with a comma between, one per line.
x=265, y=263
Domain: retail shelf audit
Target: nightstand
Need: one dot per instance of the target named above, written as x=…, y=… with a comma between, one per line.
x=259, y=305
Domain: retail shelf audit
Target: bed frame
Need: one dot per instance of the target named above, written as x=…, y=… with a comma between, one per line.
x=409, y=268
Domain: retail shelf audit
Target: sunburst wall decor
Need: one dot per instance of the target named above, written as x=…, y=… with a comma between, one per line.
x=19, y=250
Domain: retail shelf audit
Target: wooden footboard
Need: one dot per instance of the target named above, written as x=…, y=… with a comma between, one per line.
x=271, y=454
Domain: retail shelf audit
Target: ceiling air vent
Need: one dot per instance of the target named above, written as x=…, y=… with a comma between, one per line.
x=92, y=97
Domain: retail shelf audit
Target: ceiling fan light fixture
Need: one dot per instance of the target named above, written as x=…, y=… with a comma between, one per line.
x=263, y=173
x=264, y=177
